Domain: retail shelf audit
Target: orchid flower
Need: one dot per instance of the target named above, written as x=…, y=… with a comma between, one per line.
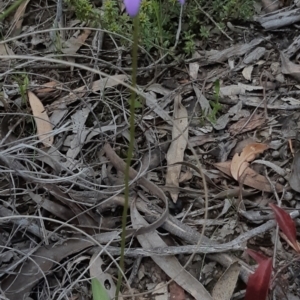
x=133, y=6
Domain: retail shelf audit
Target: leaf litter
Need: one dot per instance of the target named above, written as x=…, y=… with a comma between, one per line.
x=64, y=137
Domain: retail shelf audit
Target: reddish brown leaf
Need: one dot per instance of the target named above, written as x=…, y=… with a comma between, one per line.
x=176, y=291
x=258, y=257
x=286, y=224
x=258, y=283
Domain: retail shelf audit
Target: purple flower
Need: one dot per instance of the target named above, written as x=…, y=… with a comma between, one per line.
x=133, y=6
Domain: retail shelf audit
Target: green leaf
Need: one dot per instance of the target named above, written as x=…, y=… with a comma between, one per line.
x=99, y=291
x=137, y=104
x=217, y=90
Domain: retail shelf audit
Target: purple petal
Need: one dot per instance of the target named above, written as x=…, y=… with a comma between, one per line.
x=181, y=2
x=132, y=7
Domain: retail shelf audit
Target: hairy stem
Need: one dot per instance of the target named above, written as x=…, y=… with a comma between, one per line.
x=130, y=148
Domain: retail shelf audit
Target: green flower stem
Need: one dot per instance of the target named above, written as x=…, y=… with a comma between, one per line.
x=9, y=10
x=130, y=148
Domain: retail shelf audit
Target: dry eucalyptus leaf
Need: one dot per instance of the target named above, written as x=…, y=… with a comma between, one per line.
x=244, y=125
x=240, y=161
x=254, y=55
x=194, y=66
x=19, y=17
x=225, y=286
x=74, y=43
x=288, y=67
x=161, y=291
x=247, y=72
x=294, y=179
x=47, y=87
x=238, y=89
x=176, y=151
x=250, y=178
x=270, y=5
x=42, y=121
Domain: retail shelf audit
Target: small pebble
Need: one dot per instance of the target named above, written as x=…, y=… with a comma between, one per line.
x=280, y=78
x=288, y=196
x=275, y=154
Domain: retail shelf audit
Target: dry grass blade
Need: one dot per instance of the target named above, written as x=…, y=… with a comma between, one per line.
x=176, y=151
x=42, y=121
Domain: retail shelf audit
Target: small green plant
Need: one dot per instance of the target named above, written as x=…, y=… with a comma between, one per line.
x=98, y=290
x=85, y=11
x=23, y=82
x=216, y=106
x=158, y=20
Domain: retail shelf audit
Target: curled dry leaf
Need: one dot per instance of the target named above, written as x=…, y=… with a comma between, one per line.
x=240, y=162
x=42, y=121
x=259, y=282
x=250, y=178
x=286, y=224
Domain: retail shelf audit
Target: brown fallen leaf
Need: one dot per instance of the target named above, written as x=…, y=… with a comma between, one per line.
x=240, y=127
x=18, y=18
x=42, y=121
x=176, y=291
x=74, y=43
x=47, y=87
x=226, y=284
x=176, y=151
x=289, y=68
x=250, y=178
x=240, y=161
x=294, y=179
x=270, y=5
